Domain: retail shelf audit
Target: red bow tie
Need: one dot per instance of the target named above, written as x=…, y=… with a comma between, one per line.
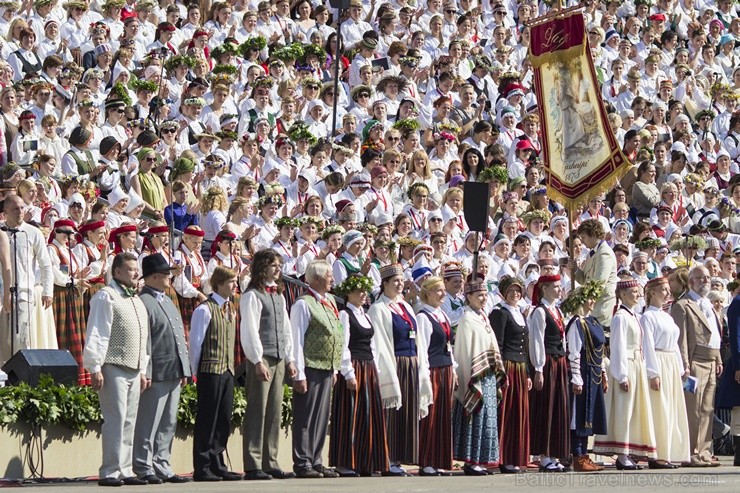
x=271, y=289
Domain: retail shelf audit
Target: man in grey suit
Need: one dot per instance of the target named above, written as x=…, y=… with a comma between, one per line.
x=600, y=265
x=699, y=342
x=168, y=370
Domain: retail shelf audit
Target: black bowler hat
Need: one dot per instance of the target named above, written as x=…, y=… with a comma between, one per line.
x=155, y=264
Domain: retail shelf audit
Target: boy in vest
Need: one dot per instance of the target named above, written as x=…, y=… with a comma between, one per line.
x=117, y=357
x=318, y=341
x=267, y=342
x=212, y=334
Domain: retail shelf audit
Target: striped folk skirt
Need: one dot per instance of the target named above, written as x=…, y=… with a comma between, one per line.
x=187, y=307
x=87, y=296
x=514, y=416
x=358, y=440
x=68, y=311
x=435, y=440
x=475, y=436
x=549, y=422
x=403, y=423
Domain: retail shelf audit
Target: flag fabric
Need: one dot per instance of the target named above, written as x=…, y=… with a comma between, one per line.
x=579, y=149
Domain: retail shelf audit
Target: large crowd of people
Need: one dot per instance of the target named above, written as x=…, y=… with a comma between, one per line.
x=199, y=170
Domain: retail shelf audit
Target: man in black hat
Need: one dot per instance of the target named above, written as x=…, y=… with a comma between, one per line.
x=168, y=370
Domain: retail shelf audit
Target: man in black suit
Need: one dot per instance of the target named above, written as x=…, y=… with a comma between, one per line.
x=168, y=370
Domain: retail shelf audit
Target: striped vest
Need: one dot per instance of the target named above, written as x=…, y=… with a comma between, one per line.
x=324, y=339
x=129, y=331
x=217, y=352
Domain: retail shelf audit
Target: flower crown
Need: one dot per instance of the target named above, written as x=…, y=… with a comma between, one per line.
x=416, y=186
x=263, y=82
x=331, y=230
x=528, y=217
x=689, y=242
x=299, y=130
x=592, y=290
x=648, y=243
x=354, y=283
x=222, y=68
x=286, y=221
x=443, y=136
x=270, y=199
x=293, y=51
x=317, y=51
x=311, y=219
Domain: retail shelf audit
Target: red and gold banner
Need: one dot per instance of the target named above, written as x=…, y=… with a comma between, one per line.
x=580, y=152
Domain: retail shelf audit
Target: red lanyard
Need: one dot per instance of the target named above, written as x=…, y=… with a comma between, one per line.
x=301, y=197
x=445, y=325
x=401, y=312
x=326, y=304
x=381, y=198
x=280, y=242
x=558, y=319
x=417, y=221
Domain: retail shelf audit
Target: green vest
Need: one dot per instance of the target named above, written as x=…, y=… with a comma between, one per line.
x=351, y=269
x=84, y=166
x=324, y=339
x=217, y=351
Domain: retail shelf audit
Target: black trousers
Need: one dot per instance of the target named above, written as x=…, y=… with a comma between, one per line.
x=212, y=422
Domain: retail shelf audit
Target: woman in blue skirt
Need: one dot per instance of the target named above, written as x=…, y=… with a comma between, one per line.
x=474, y=420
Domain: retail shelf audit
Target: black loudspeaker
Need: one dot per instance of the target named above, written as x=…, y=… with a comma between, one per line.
x=27, y=365
x=475, y=205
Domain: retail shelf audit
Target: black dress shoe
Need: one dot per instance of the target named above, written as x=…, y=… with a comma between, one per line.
x=470, y=471
x=326, y=471
x=348, y=473
x=110, y=482
x=134, y=481
x=257, y=475
x=626, y=467
x=210, y=478
x=176, y=479
x=280, y=474
x=444, y=472
x=428, y=471
x=152, y=479
x=509, y=469
x=660, y=464
x=231, y=476
x=308, y=474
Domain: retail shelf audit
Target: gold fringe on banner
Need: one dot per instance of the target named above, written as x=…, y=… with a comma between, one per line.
x=558, y=56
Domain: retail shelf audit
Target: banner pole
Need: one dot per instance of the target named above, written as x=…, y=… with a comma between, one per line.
x=571, y=247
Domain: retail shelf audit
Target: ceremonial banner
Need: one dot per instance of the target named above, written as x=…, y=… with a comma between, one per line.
x=579, y=149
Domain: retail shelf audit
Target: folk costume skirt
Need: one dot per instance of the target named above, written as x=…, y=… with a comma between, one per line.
x=187, y=307
x=357, y=436
x=630, y=418
x=549, y=419
x=668, y=406
x=475, y=436
x=403, y=423
x=435, y=435
x=68, y=312
x=514, y=416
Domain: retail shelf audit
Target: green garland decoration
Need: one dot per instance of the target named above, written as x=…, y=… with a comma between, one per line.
x=293, y=51
x=317, y=51
x=407, y=124
x=648, y=243
x=413, y=188
x=224, y=69
x=494, y=173
x=689, y=242
x=257, y=43
x=354, y=283
x=299, y=130
x=122, y=93
x=592, y=290
x=145, y=85
x=286, y=221
x=178, y=60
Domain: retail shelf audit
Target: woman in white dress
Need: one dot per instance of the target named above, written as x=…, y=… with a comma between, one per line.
x=660, y=343
x=630, y=430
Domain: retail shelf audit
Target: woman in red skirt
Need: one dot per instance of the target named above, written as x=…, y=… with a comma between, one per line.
x=511, y=333
x=358, y=439
x=68, y=275
x=549, y=417
x=435, y=434
x=188, y=285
